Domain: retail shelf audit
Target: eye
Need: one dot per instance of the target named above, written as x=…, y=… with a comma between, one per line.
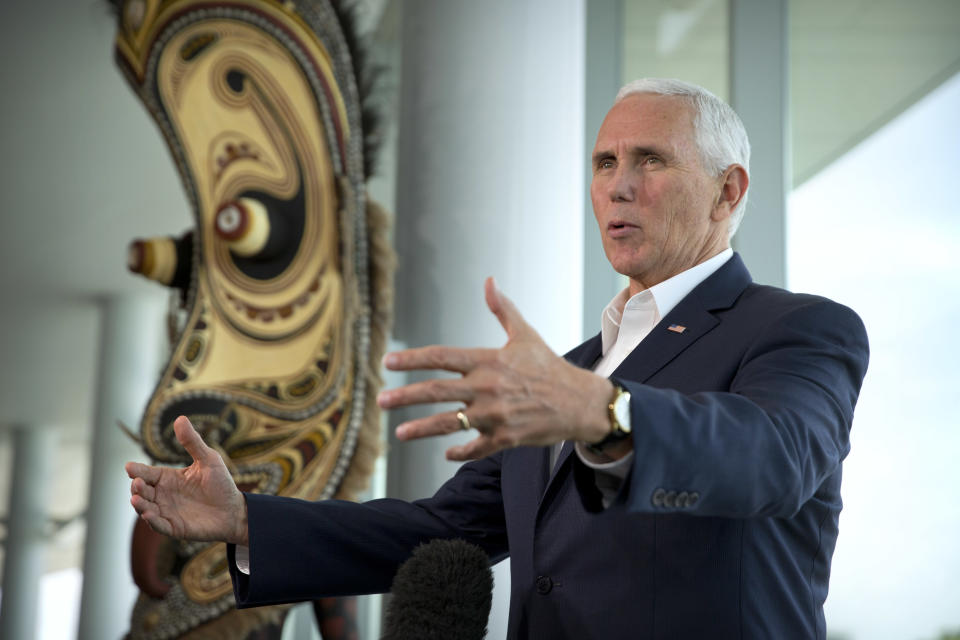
x=652, y=161
x=605, y=163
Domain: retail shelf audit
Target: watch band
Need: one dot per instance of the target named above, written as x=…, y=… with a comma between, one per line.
x=618, y=412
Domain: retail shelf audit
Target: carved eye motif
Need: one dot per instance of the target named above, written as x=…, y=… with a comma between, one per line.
x=133, y=13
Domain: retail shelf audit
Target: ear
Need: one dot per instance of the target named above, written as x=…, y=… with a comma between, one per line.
x=733, y=186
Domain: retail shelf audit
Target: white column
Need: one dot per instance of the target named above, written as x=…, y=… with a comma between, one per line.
x=131, y=336
x=33, y=449
x=603, y=77
x=301, y=624
x=490, y=182
x=759, y=94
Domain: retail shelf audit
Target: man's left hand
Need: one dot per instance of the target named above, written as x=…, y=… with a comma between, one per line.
x=521, y=394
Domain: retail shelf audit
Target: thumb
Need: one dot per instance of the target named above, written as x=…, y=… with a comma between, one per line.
x=502, y=307
x=188, y=437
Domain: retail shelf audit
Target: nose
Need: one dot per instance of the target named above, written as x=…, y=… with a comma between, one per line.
x=622, y=186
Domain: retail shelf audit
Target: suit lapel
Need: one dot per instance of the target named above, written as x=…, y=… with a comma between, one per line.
x=533, y=464
x=565, y=452
x=556, y=471
x=663, y=345
x=584, y=356
x=587, y=353
x=687, y=322
x=693, y=314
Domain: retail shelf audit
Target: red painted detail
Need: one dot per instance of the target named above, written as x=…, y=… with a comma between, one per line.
x=147, y=545
x=241, y=229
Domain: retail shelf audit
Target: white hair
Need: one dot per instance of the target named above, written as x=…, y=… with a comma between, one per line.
x=718, y=132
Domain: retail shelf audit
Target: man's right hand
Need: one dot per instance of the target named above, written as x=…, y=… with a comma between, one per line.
x=199, y=502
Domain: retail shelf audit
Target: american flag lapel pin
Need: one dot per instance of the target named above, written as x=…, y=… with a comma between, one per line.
x=677, y=328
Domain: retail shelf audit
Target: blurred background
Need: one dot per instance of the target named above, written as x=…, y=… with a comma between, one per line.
x=853, y=108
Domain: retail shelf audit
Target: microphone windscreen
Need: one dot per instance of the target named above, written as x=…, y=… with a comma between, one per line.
x=442, y=592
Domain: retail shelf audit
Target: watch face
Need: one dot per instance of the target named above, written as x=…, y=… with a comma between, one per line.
x=621, y=410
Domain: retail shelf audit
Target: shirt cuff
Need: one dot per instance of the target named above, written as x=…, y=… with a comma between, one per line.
x=242, y=559
x=618, y=468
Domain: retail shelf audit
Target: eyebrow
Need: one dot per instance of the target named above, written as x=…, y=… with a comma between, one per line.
x=600, y=155
x=638, y=151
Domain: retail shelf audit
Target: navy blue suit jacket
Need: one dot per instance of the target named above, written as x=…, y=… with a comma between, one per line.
x=724, y=528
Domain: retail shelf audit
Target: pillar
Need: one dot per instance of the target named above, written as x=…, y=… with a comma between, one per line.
x=33, y=449
x=759, y=93
x=490, y=182
x=603, y=77
x=130, y=340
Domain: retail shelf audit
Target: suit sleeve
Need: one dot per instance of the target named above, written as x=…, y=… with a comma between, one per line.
x=301, y=550
x=764, y=447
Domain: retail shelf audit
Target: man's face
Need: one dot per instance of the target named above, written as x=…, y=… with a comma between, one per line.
x=653, y=200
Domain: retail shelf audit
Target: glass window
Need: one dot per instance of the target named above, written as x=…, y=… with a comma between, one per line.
x=875, y=98
x=677, y=39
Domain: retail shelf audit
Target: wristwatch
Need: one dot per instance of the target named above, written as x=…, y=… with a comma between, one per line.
x=618, y=412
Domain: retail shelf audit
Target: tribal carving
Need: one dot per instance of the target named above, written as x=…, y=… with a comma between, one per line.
x=285, y=278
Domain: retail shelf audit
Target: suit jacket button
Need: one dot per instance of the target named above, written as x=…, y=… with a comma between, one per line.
x=544, y=585
x=692, y=498
x=670, y=500
x=658, y=497
x=682, y=500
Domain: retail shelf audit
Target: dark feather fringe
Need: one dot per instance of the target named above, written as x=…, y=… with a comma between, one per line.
x=382, y=264
x=368, y=76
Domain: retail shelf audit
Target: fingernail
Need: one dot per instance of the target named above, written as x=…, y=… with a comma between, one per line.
x=401, y=432
x=390, y=360
x=383, y=398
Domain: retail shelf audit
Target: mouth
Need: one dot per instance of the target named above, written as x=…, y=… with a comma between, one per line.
x=620, y=228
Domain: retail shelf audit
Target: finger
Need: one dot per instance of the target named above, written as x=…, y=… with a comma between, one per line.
x=502, y=307
x=141, y=505
x=150, y=513
x=435, y=425
x=158, y=523
x=151, y=475
x=141, y=488
x=479, y=447
x=436, y=357
x=191, y=440
x=428, y=391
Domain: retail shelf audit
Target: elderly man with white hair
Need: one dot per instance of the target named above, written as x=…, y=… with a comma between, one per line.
x=675, y=476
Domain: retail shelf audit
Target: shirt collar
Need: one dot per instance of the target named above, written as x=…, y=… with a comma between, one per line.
x=663, y=296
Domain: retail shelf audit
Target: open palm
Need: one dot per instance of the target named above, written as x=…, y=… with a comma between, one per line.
x=199, y=502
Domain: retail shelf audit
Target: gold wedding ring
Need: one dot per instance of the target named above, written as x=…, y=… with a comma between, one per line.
x=464, y=421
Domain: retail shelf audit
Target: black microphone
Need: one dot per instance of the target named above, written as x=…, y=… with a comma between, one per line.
x=442, y=592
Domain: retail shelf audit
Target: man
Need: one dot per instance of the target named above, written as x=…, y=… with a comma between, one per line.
x=698, y=490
